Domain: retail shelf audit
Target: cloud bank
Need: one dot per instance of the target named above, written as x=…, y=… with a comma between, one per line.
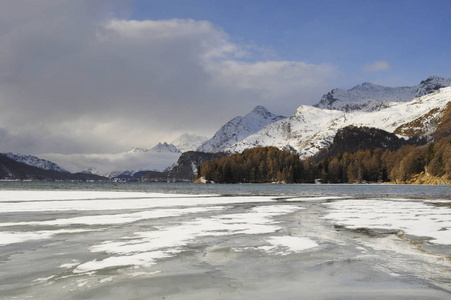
x=77, y=79
x=106, y=163
x=377, y=66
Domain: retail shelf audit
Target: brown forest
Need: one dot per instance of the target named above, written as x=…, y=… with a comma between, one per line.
x=269, y=164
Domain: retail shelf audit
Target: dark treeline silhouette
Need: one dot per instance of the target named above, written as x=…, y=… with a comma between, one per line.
x=269, y=164
x=257, y=165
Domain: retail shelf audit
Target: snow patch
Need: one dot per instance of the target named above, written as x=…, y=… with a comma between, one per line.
x=287, y=244
x=407, y=217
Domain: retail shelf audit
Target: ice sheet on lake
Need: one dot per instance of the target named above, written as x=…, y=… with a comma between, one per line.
x=9, y=237
x=322, y=198
x=410, y=217
x=8, y=196
x=144, y=247
x=118, y=203
x=209, y=247
x=117, y=218
x=289, y=244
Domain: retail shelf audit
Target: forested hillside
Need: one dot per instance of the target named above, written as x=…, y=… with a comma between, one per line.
x=269, y=164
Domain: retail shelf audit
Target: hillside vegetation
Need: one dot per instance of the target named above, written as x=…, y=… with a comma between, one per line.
x=402, y=162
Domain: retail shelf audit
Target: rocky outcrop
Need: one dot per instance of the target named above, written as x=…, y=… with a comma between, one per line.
x=189, y=163
x=353, y=138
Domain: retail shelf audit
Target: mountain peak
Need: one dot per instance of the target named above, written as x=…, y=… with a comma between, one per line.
x=311, y=129
x=188, y=142
x=239, y=128
x=137, y=150
x=432, y=78
x=368, y=84
x=35, y=162
x=372, y=97
x=259, y=109
x=165, y=148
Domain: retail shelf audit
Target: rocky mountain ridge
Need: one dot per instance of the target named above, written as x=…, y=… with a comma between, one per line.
x=14, y=170
x=239, y=128
x=311, y=128
x=188, y=142
x=34, y=161
x=351, y=138
x=372, y=97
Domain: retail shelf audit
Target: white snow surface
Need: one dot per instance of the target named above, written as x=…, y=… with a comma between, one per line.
x=239, y=128
x=144, y=248
x=7, y=237
x=372, y=97
x=189, y=142
x=165, y=148
x=288, y=244
x=311, y=129
x=23, y=201
x=116, y=218
x=141, y=233
x=409, y=217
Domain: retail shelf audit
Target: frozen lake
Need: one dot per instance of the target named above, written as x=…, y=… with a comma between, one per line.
x=170, y=241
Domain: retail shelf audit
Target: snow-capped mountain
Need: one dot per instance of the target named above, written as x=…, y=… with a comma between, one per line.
x=372, y=97
x=311, y=128
x=188, y=142
x=239, y=128
x=165, y=148
x=138, y=150
x=160, y=148
x=35, y=162
x=113, y=174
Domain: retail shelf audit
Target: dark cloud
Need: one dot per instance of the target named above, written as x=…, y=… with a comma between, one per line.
x=76, y=78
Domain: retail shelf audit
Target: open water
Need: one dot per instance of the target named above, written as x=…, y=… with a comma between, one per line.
x=187, y=241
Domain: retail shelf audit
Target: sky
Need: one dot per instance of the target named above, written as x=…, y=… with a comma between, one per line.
x=96, y=77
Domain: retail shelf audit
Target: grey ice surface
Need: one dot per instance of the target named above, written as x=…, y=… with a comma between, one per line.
x=280, y=245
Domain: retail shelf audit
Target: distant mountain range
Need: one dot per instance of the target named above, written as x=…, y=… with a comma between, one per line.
x=185, y=142
x=312, y=128
x=26, y=167
x=35, y=162
x=189, y=142
x=419, y=111
x=371, y=97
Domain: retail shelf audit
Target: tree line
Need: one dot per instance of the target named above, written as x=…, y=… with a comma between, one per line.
x=269, y=164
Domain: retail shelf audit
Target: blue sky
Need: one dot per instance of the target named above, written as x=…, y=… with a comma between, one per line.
x=83, y=77
x=411, y=35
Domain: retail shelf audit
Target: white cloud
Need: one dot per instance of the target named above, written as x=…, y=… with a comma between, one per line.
x=106, y=163
x=274, y=81
x=74, y=79
x=377, y=66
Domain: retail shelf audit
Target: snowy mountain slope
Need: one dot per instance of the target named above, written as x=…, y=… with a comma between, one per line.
x=239, y=128
x=426, y=124
x=372, y=97
x=188, y=142
x=112, y=174
x=311, y=129
x=160, y=148
x=165, y=148
x=138, y=150
x=35, y=162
